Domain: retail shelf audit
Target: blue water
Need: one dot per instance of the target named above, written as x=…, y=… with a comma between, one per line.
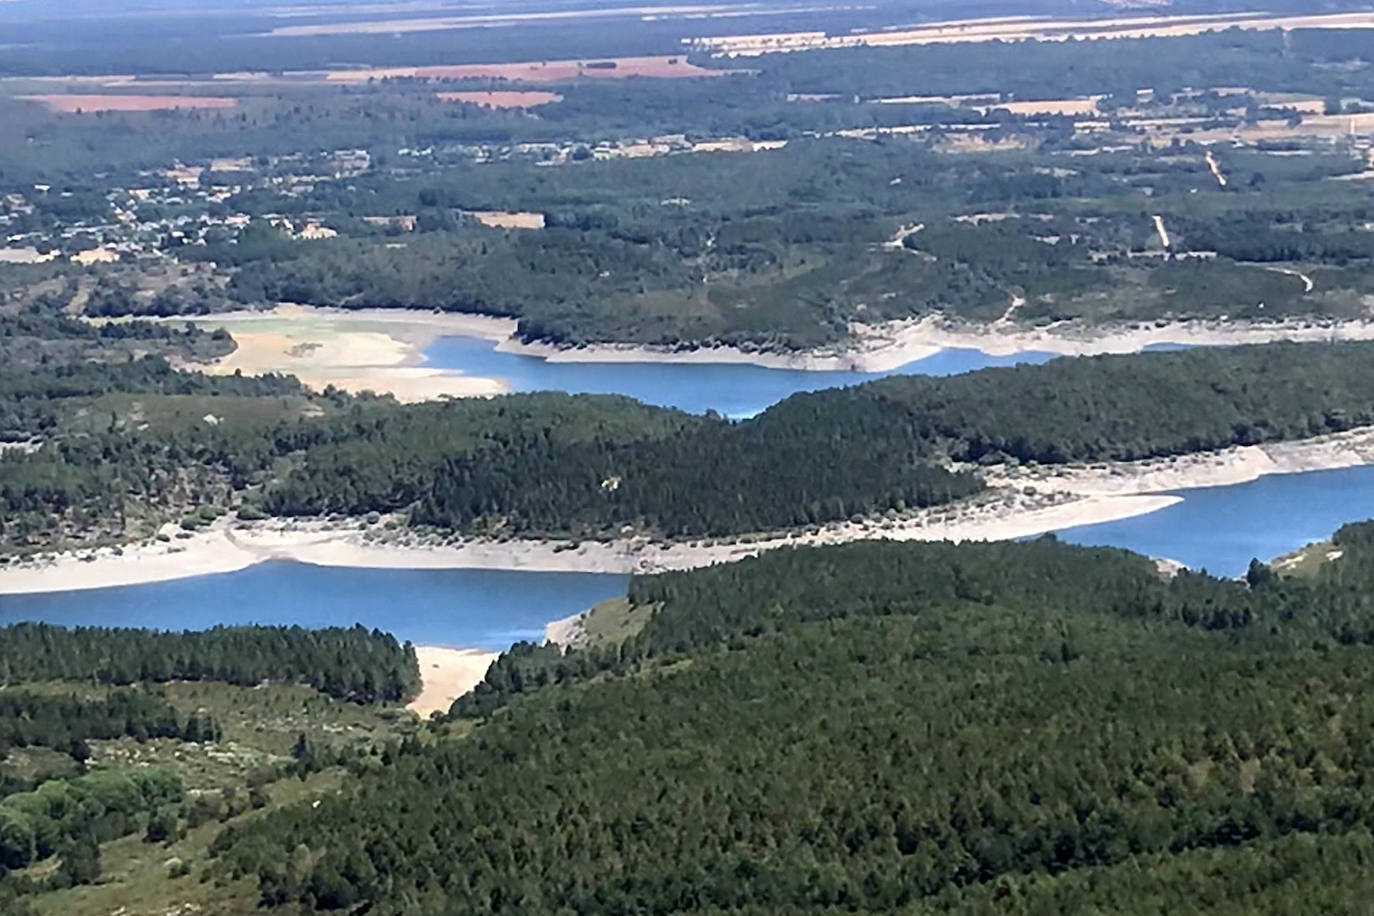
x=734, y=390
x=1221, y=529
x=464, y=608
x=1216, y=528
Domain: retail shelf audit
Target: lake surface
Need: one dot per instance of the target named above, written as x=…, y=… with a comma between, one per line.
x=734, y=390
x=1221, y=529
x=1216, y=528
x=463, y=608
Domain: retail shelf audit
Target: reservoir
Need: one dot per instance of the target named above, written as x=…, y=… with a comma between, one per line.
x=461, y=608
x=735, y=390
x=1220, y=529
x=1216, y=528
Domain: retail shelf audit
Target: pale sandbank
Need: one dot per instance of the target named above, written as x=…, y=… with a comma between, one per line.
x=376, y=350
x=447, y=674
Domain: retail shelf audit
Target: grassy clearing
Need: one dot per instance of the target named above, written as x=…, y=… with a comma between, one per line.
x=35, y=762
x=1305, y=562
x=133, y=411
x=614, y=620
x=135, y=875
x=261, y=724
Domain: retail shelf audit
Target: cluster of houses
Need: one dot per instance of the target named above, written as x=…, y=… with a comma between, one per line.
x=177, y=206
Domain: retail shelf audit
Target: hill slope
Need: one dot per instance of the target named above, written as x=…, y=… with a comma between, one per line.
x=877, y=727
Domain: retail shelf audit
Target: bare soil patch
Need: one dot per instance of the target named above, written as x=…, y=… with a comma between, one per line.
x=511, y=99
x=1023, y=28
x=508, y=219
x=486, y=20
x=537, y=71
x=87, y=104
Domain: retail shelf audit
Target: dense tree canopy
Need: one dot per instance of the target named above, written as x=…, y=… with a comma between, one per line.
x=554, y=464
x=355, y=663
x=64, y=723
x=883, y=727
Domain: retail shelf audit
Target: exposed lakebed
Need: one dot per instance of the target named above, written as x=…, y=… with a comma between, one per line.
x=1217, y=528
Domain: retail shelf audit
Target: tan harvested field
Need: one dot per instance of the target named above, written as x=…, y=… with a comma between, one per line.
x=1078, y=106
x=1048, y=106
x=438, y=23
x=88, y=104
x=1028, y=27
x=536, y=71
x=664, y=67
x=1326, y=126
x=1305, y=104
x=507, y=219
x=502, y=99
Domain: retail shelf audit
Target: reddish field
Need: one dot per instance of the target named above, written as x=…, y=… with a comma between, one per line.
x=502, y=99
x=92, y=103
x=538, y=71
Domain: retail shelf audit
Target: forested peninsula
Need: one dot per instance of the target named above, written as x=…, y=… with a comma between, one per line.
x=553, y=465
x=829, y=728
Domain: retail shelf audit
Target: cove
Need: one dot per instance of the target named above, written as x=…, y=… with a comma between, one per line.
x=736, y=390
x=460, y=608
x=1220, y=529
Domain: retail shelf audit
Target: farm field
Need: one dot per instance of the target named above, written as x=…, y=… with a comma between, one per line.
x=500, y=99
x=90, y=104
x=1029, y=29
x=537, y=71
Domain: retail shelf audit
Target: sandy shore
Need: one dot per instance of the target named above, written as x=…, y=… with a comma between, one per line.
x=879, y=348
x=381, y=349
x=378, y=350
x=1021, y=502
x=227, y=549
x=447, y=674
x=1240, y=464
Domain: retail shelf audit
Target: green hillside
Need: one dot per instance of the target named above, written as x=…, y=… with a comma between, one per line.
x=875, y=728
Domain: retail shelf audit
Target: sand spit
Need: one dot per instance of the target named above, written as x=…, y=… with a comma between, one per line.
x=378, y=350
x=447, y=674
x=1021, y=502
x=880, y=348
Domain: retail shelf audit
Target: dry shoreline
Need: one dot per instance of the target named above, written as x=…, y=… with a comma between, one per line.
x=564, y=632
x=382, y=349
x=885, y=347
x=445, y=675
x=1021, y=502
x=379, y=350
